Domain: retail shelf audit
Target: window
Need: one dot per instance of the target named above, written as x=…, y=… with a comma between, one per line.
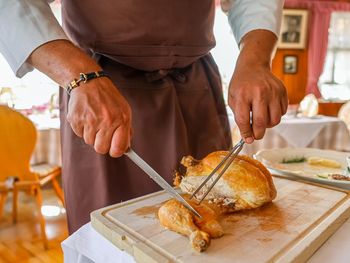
x=34, y=90
x=226, y=50
x=334, y=82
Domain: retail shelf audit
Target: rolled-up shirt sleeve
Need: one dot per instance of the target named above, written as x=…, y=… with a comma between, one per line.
x=247, y=15
x=24, y=26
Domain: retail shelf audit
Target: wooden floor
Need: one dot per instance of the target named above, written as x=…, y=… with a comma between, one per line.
x=21, y=242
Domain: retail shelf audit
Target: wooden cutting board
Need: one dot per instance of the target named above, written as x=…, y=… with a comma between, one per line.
x=290, y=229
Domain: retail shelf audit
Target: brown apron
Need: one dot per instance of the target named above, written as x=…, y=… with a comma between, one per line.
x=156, y=53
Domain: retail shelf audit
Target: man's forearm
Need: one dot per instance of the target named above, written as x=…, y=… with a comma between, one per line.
x=258, y=47
x=62, y=61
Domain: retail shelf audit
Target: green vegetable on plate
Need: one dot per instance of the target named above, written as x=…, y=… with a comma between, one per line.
x=294, y=160
x=324, y=176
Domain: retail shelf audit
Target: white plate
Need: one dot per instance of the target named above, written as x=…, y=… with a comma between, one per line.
x=273, y=158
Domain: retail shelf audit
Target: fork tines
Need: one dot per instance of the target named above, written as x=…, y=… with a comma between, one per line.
x=228, y=160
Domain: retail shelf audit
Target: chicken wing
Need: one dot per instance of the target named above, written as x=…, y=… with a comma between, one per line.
x=176, y=217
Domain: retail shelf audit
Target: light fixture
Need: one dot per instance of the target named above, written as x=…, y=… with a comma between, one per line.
x=7, y=96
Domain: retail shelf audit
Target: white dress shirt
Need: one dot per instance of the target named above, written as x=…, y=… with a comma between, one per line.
x=26, y=24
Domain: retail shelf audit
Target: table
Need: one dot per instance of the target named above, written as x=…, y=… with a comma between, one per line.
x=87, y=245
x=321, y=132
x=48, y=147
x=48, y=144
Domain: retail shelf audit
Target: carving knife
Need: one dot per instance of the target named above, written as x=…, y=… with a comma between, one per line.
x=158, y=179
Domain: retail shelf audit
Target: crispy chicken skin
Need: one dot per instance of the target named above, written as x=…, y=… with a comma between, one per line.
x=246, y=184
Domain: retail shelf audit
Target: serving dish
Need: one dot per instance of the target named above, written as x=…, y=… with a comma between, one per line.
x=281, y=161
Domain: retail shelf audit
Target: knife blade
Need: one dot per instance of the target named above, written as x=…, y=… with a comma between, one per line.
x=158, y=179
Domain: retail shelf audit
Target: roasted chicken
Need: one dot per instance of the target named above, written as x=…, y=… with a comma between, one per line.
x=246, y=184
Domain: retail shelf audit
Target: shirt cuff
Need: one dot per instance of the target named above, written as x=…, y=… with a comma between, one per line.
x=26, y=25
x=247, y=15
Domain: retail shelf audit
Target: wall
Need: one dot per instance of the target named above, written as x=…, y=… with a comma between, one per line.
x=295, y=83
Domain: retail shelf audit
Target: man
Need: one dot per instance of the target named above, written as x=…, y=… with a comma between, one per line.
x=163, y=95
x=292, y=34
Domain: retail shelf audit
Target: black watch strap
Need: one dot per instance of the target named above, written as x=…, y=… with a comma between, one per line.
x=84, y=77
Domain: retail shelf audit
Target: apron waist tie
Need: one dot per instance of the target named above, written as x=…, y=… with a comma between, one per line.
x=175, y=74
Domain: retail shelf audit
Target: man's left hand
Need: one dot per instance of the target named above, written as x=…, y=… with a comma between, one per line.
x=254, y=90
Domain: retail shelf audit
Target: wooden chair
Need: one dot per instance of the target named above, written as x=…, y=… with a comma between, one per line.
x=17, y=141
x=3, y=196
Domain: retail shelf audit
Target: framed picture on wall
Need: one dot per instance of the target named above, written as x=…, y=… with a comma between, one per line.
x=293, y=29
x=290, y=64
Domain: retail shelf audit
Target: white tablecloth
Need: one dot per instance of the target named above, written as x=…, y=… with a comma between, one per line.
x=321, y=132
x=48, y=147
x=48, y=144
x=86, y=246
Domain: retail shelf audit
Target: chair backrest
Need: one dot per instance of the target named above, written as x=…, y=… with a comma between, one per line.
x=344, y=114
x=17, y=142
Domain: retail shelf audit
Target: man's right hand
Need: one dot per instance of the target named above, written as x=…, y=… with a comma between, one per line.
x=97, y=112
x=100, y=114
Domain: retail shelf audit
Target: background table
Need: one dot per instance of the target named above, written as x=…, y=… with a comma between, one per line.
x=48, y=144
x=321, y=132
x=48, y=147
